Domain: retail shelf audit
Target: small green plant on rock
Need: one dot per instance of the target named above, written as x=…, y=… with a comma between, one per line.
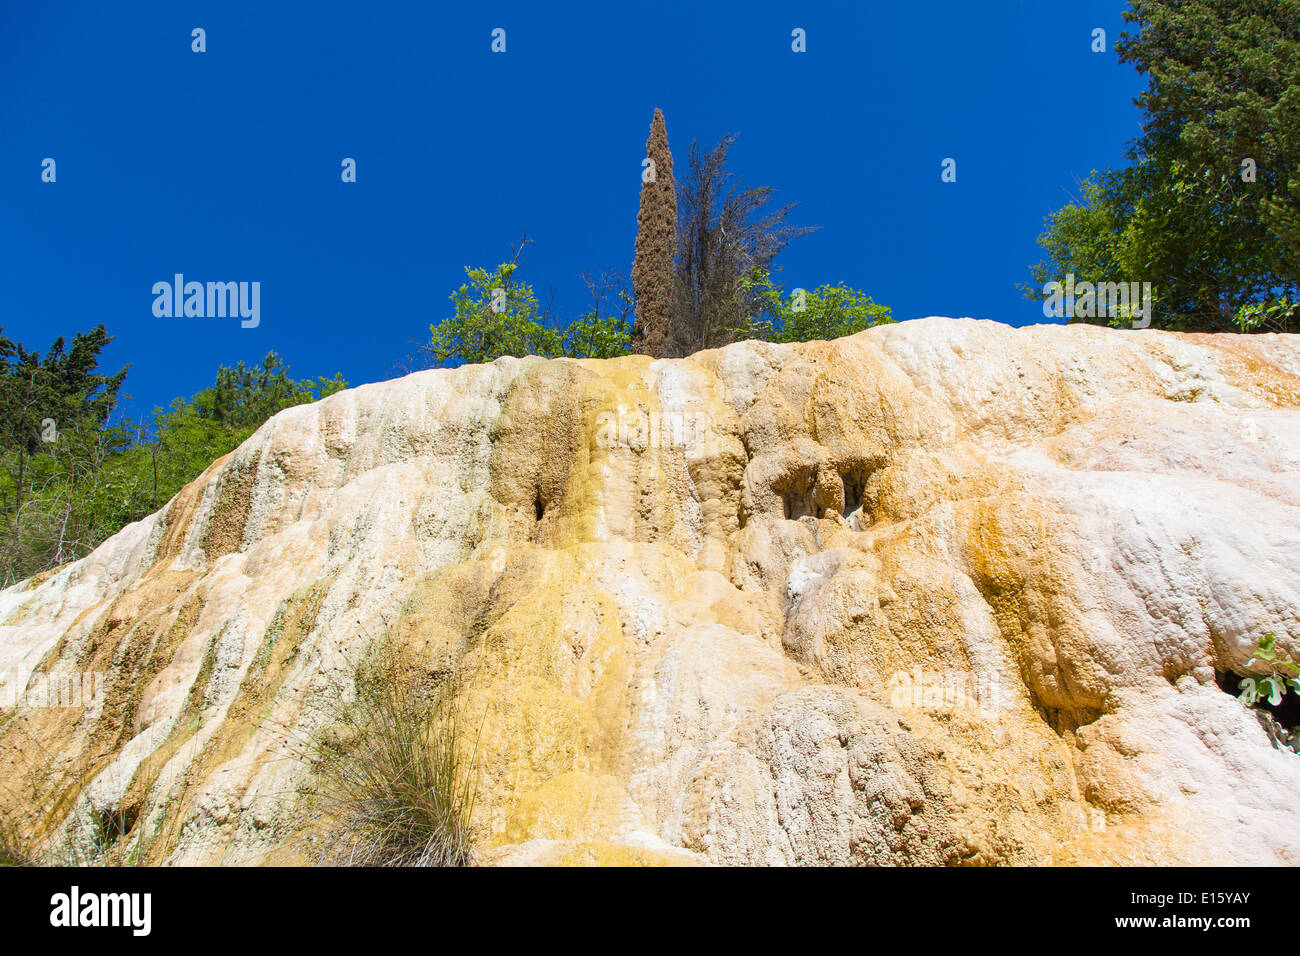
x=1270, y=687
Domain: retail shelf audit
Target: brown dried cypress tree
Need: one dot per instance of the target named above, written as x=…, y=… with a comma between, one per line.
x=656, y=234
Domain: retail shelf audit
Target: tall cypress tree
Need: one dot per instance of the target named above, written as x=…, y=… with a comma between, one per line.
x=656, y=232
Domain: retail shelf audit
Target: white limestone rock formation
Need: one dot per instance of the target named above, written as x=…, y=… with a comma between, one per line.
x=944, y=592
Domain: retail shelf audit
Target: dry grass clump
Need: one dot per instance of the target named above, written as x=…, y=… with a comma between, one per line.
x=13, y=849
x=89, y=834
x=398, y=776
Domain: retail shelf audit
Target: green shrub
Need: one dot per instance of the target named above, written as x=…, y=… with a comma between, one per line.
x=825, y=313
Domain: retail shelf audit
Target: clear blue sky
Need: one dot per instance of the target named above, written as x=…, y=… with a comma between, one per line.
x=225, y=165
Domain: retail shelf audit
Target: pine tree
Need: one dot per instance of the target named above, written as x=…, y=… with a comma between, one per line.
x=656, y=231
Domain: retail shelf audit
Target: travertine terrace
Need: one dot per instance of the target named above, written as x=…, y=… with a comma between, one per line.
x=944, y=592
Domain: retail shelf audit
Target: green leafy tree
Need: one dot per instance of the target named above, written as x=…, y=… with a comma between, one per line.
x=597, y=336
x=65, y=492
x=1209, y=209
x=41, y=397
x=606, y=329
x=493, y=315
x=827, y=312
x=245, y=396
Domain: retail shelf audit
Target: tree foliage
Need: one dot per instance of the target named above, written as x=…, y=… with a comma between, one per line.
x=64, y=489
x=827, y=312
x=40, y=397
x=606, y=329
x=493, y=315
x=496, y=314
x=1222, y=108
x=724, y=233
x=245, y=396
x=722, y=291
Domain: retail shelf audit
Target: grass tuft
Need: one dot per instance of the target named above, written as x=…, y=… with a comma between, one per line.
x=398, y=777
x=13, y=849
